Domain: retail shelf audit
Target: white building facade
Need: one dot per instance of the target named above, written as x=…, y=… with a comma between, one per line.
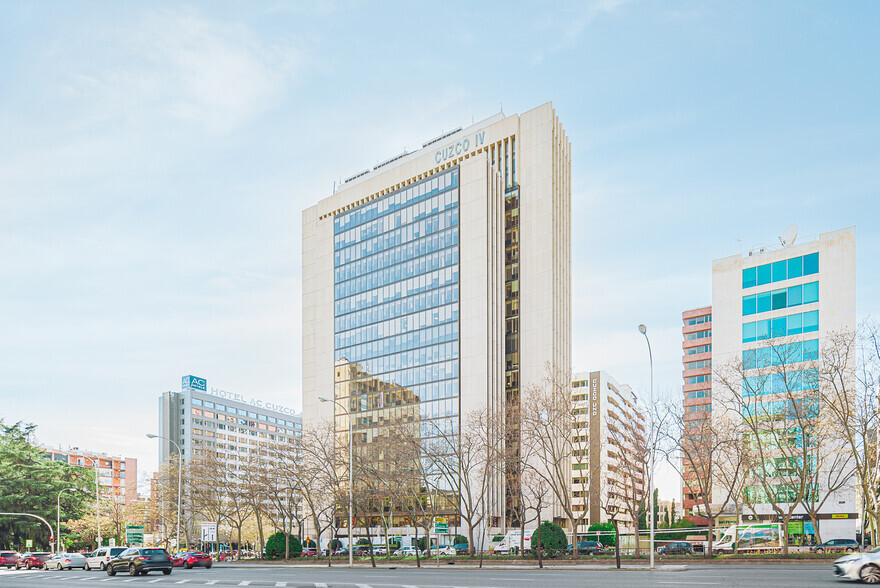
x=438, y=282
x=773, y=310
x=608, y=458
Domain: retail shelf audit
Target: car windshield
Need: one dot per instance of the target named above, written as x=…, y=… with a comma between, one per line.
x=153, y=551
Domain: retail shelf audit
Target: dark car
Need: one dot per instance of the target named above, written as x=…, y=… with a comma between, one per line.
x=140, y=560
x=847, y=545
x=8, y=558
x=677, y=548
x=461, y=548
x=32, y=560
x=193, y=559
x=585, y=548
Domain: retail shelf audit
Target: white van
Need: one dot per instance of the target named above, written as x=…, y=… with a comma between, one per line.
x=97, y=560
x=511, y=542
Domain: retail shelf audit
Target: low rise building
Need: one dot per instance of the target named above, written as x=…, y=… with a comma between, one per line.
x=117, y=475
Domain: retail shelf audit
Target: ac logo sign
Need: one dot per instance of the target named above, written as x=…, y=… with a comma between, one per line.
x=195, y=383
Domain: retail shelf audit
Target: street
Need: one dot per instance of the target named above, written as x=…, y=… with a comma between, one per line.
x=746, y=576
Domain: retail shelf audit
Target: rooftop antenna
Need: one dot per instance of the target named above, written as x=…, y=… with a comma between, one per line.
x=789, y=235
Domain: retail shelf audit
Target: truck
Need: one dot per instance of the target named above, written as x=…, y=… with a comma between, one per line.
x=751, y=538
x=510, y=543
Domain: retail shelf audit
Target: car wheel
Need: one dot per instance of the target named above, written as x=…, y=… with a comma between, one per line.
x=187, y=566
x=132, y=570
x=166, y=572
x=27, y=566
x=87, y=568
x=870, y=574
x=103, y=567
x=208, y=566
x=110, y=571
x=849, y=549
x=820, y=550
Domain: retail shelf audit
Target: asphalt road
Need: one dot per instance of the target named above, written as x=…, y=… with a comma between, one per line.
x=724, y=576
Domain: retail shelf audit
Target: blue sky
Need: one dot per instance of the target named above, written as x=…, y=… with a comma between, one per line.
x=155, y=159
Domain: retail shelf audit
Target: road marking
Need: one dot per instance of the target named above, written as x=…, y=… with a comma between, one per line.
x=154, y=581
x=106, y=579
x=244, y=583
x=281, y=583
x=320, y=585
x=693, y=583
x=210, y=582
x=131, y=580
x=182, y=582
x=363, y=586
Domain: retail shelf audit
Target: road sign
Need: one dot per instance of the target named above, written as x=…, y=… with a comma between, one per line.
x=209, y=532
x=134, y=535
x=29, y=543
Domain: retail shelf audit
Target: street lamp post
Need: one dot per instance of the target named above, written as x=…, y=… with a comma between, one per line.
x=179, y=478
x=350, y=478
x=644, y=331
x=58, y=521
x=97, y=497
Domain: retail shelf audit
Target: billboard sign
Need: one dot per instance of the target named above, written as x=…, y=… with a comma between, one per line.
x=194, y=383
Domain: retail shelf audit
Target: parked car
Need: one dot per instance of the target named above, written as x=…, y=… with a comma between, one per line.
x=676, y=548
x=406, y=551
x=98, y=559
x=32, y=559
x=8, y=558
x=140, y=560
x=585, y=548
x=193, y=559
x=461, y=548
x=177, y=560
x=379, y=550
x=309, y=552
x=65, y=561
x=443, y=549
x=847, y=545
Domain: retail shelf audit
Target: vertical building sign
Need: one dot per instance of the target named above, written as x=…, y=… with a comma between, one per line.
x=595, y=447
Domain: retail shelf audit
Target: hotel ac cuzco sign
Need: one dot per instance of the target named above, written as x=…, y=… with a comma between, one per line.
x=194, y=383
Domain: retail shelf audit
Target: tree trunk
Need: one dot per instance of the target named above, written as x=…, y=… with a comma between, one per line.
x=813, y=518
x=470, y=540
x=785, y=536
x=638, y=551
x=617, y=544
x=522, y=535
x=540, y=549
x=372, y=556
x=710, y=535
x=418, y=559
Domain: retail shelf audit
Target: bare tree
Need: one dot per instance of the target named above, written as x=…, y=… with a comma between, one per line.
x=700, y=449
x=776, y=402
x=321, y=481
x=548, y=419
x=850, y=381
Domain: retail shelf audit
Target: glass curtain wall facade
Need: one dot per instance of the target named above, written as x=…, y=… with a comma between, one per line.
x=396, y=313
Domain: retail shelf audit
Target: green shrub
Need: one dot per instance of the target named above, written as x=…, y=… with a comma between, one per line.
x=275, y=546
x=459, y=539
x=335, y=544
x=604, y=539
x=363, y=541
x=422, y=543
x=553, y=538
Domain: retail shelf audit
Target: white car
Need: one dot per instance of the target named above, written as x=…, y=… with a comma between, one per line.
x=860, y=566
x=97, y=560
x=443, y=549
x=65, y=561
x=411, y=551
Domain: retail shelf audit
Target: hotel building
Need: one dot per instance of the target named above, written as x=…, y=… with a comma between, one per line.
x=232, y=424
x=605, y=465
x=438, y=283
x=117, y=476
x=773, y=310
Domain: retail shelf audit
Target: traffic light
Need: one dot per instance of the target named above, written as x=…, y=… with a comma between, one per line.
x=51, y=538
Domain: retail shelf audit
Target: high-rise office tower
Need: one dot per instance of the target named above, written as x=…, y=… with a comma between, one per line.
x=438, y=283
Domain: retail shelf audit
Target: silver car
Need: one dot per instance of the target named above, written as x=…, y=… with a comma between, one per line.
x=65, y=561
x=98, y=559
x=860, y=566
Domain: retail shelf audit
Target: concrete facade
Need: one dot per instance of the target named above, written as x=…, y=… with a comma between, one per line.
x=731, y=331
x=117, y=475
x=509, y=327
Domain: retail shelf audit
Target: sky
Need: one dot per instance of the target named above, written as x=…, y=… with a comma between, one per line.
x=155, y=159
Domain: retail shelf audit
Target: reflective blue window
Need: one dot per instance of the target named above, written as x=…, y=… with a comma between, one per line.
x=763, y=329
x=780, y=298
x=811, y=350
x=764, y=274
x=764, y=301
x=749, y=332
x=795, y=324
x=779, y=327
x=811, y=292
x=750, y=359
x=750, y=277
x=795, y=295
x=780, y=270
x=795, y=267
x=396, y=291
x=811, y=321
x=749, y=305
x=811, y=264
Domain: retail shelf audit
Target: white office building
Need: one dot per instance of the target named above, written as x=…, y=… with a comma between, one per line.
x=439, y=282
